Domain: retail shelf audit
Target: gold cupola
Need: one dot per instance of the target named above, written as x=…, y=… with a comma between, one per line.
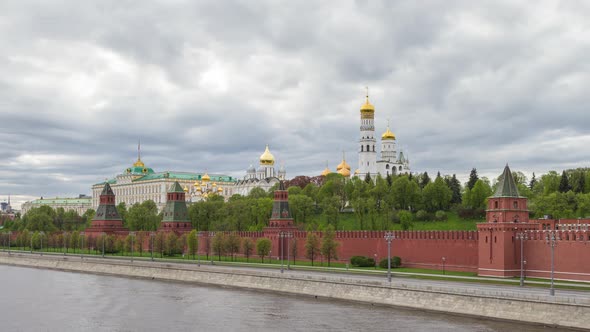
x=388, y=135
x=267, y=158
x=185, y=189
x=367, y=109
x=139, y=163
x=327, y=170
x=206, y=177
x=343, y=168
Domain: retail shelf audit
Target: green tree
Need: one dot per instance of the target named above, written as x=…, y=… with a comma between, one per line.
x=192, y=243
x=312, y=247
x=406, y=193
x=263, y=246
x=437, y=195
x=302, y=207
x=472, y=178
x=218, y=244
x=159, y=243
x=122, y=209
x=74, y=240
x=171, y=245
x=248, y=248
x=533, y=182
x=455, y=186
x=330, y=208
x=329, y=244
x=564, y=185
x=232, y=244
x=424, y=180
x=139, y=239
x=476, y=198
x=406, y=220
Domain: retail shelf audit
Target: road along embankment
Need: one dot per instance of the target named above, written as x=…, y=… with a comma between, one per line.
x=489, y=302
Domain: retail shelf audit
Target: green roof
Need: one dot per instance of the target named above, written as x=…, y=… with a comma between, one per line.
x=185, y=176
x=57, y=200
x=176, y=188
x=507, y=186
x=136, y=170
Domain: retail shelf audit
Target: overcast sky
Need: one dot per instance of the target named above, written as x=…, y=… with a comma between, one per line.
x=206, y=84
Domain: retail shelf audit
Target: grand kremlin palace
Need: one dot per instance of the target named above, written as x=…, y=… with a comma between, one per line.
x=139, y=183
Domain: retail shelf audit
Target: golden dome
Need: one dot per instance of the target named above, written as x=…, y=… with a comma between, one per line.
x=357, y=172
x=199, y=189
x=388, y=134
x=344, y=172
x=185, y=189
x=326, y=172
x=139, y=163
x=343, y=165
x=206, y=177
x=219, y=189
x=197, y=184
x=367, y=106
x=267, y=158
x=214, y=184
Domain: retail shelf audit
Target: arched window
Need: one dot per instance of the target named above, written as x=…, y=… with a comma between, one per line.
x=362, y=147
x=495, y=204
x=373, y=148
x=515, y=204
x=400, y=168
x=387, y=166
x=368, y=148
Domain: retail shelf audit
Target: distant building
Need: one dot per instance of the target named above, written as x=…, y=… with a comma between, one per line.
x=79, y=204
x=140, y=183
x=265, y=177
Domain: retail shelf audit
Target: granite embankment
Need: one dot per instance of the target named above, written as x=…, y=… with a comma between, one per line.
x=489, y=302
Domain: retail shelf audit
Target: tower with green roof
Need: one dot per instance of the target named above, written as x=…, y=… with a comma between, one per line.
x=506, y=216
x=175, y=212
x=106, y=218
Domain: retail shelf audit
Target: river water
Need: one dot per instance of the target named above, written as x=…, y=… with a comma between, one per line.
x=45, y=300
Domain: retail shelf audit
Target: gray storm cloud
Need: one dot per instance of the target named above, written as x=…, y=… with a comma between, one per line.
x=205, y=85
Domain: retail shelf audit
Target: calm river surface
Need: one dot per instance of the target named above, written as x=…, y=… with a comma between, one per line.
x=45, y=300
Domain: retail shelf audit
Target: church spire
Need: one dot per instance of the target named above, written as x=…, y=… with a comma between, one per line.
x=139, y=163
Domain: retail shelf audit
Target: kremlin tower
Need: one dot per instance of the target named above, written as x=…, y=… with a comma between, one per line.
x=107, y=219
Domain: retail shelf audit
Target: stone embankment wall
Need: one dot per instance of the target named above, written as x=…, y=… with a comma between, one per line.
x=494, y=304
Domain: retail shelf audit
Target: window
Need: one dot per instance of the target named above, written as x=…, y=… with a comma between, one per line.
x=515, y=204
x=368, y=148
x=496, y=204
x=387, y=166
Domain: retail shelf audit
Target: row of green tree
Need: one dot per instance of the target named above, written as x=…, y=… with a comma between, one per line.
x=376, y=204
x=169, y=244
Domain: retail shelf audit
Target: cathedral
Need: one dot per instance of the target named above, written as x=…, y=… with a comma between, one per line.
x=390, y=162
x=264, y=177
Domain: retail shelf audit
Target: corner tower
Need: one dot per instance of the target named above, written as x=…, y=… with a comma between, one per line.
x=367, y=149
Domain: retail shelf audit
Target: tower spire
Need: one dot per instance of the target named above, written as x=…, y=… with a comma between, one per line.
x=367, y=93
x=139, y=149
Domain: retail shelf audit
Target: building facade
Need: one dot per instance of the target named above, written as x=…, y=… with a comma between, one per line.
x=80, y=204
x=140, y=183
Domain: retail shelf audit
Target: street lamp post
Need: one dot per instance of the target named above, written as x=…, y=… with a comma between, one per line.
x=211, y=235
x=9, y=234
x=444, y=259
x=103, y=236
x=82, y=246
x=389, y=236
x=551, y=240
x=289, y=236
x=31, y=246
x=281, y=237
x=375, y=255
x=152, y=234
x=132, y=234
x=521, y=236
